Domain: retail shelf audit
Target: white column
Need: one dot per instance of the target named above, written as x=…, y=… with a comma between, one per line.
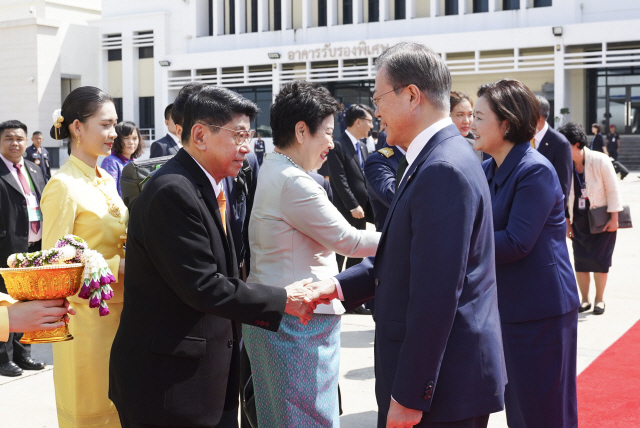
x=410, y=7
x=516, y=58
x=130, y=101
x=524, y=4
x=384, y=10
x=604, y=53
x=462, y=7
x=218, y=17
x=275, y=80
x=559, y=79
x=287, y=22
x=263, y=15
x=161, y=75
x=332, y=13
x=241, y=16
x=492, y=5
x=307, y=16
x=358, y=11
x=434, y=8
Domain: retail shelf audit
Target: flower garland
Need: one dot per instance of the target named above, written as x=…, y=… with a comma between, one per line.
x=71, y=249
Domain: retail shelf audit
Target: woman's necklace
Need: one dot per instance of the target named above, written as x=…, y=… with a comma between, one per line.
x=290, y=160
x=114, y=210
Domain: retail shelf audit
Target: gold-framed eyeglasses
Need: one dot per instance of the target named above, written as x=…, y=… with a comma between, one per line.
x=375, y=100
x=240, y=137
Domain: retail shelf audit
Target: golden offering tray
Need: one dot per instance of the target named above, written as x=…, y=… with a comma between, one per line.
x=44, y=283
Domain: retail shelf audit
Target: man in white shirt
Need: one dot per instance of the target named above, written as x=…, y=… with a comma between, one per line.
x=21, y=185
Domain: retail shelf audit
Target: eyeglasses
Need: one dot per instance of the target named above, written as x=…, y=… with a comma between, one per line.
x=240, y=137
x=376, y=99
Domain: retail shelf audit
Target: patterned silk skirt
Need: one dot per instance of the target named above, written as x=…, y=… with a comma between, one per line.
x=295, y=372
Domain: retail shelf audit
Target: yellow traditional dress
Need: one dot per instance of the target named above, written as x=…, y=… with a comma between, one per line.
x=74, y=202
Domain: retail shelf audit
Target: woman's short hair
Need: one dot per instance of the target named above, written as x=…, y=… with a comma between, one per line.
x=575, y=134
x=456, y=98
x=125, y=129
x=300, y=101
x=597, y=126
x=512, y=101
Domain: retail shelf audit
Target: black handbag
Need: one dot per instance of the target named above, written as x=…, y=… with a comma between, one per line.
x=135, y=174
x=598, y=217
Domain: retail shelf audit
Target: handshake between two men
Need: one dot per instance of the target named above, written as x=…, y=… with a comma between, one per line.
x=305, y=295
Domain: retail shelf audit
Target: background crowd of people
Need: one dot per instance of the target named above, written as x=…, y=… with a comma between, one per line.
x=238, y=260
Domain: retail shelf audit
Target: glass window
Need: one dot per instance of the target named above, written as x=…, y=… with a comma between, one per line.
x=510, y=4
x=374, y=10
x=117, y=102
x=541, y=3
x=262, y=96
x=114, y=55
x=400, y=9
x=146, y=112
x=322, y=13
x=347, y=11
x=145, y=52
x=480, y=6
x=450, y=7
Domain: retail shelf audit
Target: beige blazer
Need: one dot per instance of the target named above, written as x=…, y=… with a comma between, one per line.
x=295, y=231
x=601, y=182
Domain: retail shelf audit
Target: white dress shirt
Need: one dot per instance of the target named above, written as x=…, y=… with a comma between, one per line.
x=540, y=135
x=176, y=139
x=33, y=237
x=422, y=139
x=216, y=186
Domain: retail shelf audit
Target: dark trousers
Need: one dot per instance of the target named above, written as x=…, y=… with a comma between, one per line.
x=540, y=357
x=477, y=422
x=229, y=419
x=13, y=350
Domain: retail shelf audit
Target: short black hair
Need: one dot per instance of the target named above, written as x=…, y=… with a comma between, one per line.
x=214, y=106
x=410, y=63
x=167, y=112
x=575, y=134
x=299, y=101
x=545, y=107
x=512, y=101
x=124, y=129
x=456, y=97
x=355, y=112
x=36, y=133
x=597, y=126
x=177, y=111
x=12, y=124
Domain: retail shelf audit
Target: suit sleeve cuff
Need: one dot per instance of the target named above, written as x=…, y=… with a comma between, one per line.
x=338, y=288
x=4, y=324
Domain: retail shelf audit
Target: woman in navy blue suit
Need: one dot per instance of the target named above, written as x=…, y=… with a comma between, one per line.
x=537, y=292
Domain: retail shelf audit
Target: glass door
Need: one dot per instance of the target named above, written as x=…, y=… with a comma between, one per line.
x=623, y=108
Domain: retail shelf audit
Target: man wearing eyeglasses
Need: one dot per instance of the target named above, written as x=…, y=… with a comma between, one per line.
x=346, y=171
x=439, y=357
x=174, y=361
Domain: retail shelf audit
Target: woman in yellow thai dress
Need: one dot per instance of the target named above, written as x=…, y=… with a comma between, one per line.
x=82, y=199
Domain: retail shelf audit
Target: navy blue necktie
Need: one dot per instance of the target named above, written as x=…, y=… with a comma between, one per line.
x=360, y=158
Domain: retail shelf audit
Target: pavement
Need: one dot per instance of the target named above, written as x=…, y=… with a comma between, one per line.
x=29, y=400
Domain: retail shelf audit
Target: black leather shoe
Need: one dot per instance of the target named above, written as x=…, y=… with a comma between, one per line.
x=30, y=364
x=361, y=310
x=584, y=306
x=10, y=369
x=598, y=309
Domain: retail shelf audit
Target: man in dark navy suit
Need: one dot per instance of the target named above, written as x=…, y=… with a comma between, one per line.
x=439, y=357
x=380, y=169
x=346, y=171
x=39, y=155
x=555, y=147
x=170, y=143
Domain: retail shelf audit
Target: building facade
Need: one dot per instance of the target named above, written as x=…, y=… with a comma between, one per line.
x=48, y=48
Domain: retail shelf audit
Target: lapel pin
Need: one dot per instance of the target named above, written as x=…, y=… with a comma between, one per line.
x=32, y=170
x=546, y=144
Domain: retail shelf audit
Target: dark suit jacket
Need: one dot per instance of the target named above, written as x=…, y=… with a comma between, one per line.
x=347, y=178
x=597, y=144
x=41, y=159
x=175, y=353
x=555, y=147
x=381, y=172
x=14, y=218
x=240, y=197
x=534, y=273
x=324, y=183
x=382, y=140
x=165, y=146
x=438, y=339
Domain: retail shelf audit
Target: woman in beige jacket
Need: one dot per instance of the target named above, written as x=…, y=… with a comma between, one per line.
x=594, y=185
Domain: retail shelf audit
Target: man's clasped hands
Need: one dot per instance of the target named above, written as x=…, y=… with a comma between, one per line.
x=305, y=295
